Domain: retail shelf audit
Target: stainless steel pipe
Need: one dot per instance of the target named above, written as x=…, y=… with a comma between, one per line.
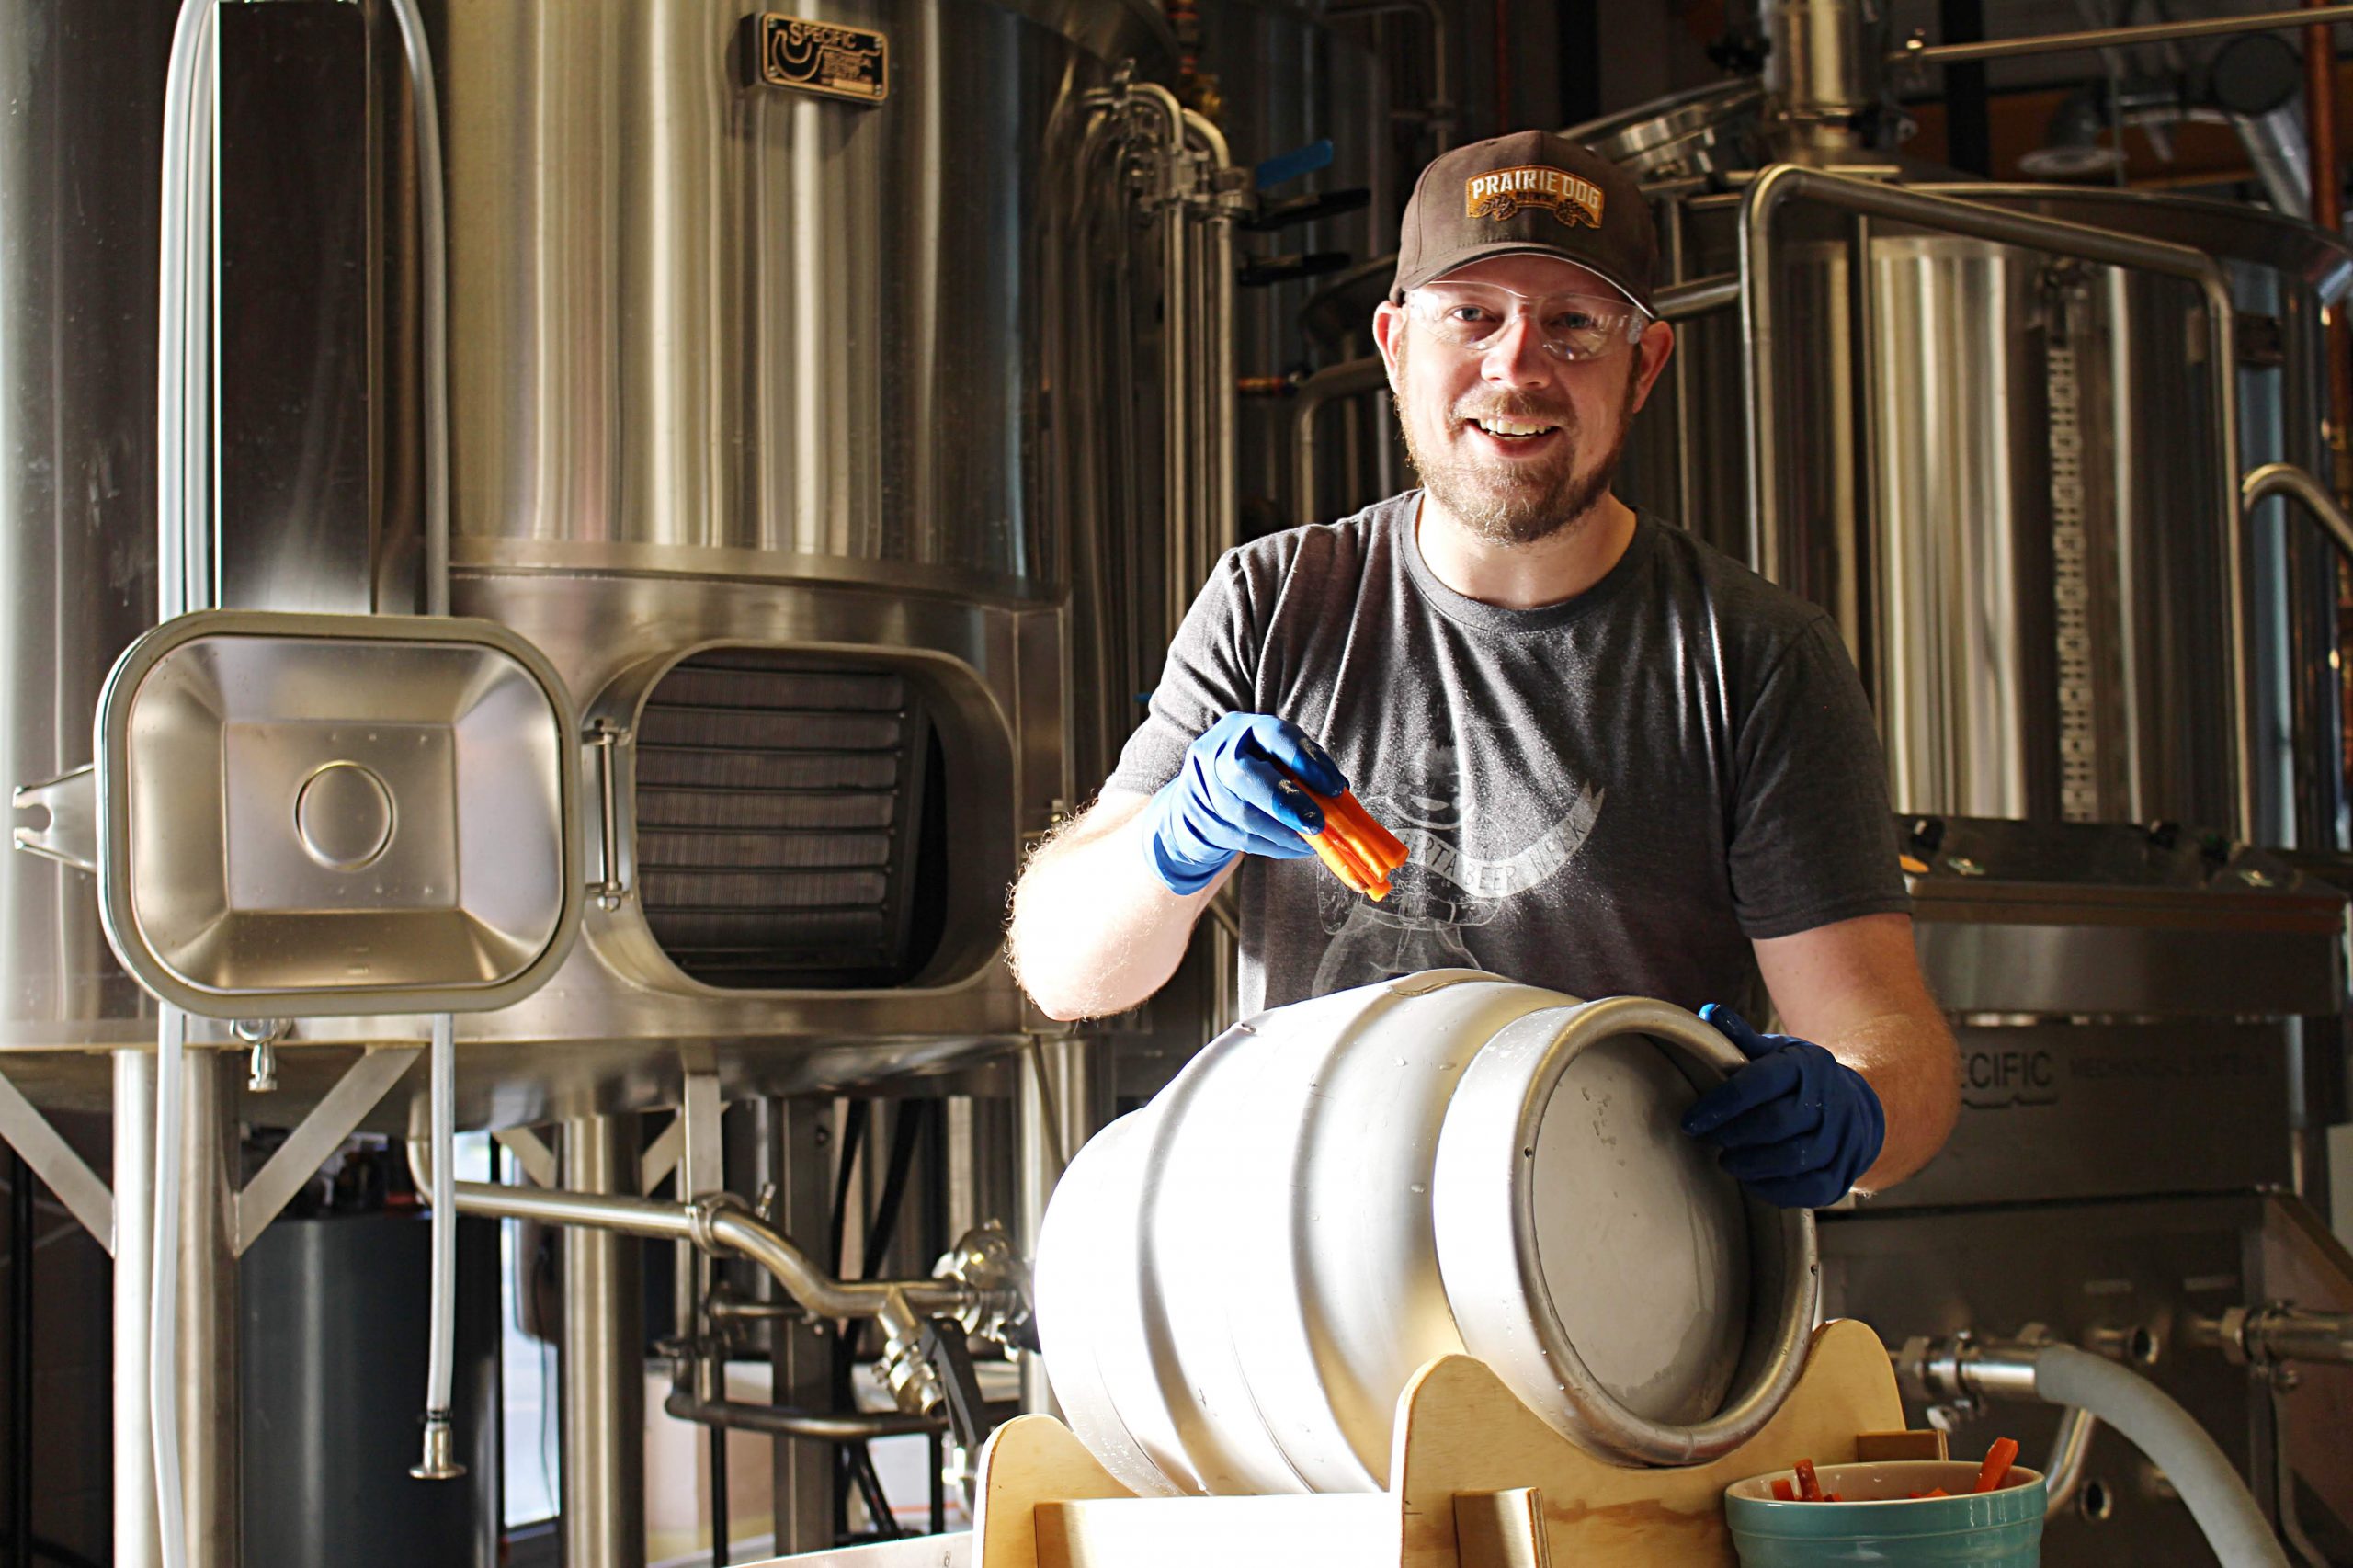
x=137, y=1543
x=2071, y=1449
x=2142, y=1414
x=208, y=1388
x=1700, y=297
x=1350, y=378
x=714, y=1227
x=1918, y=52
x=2305, y=489
x=1783, y=183
x=783, y=1421
x=602, y=1483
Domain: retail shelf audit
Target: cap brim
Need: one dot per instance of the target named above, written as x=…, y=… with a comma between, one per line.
x=1462, y=259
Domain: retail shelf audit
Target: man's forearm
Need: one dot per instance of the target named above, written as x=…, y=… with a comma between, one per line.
x=1093, y=931
x=1911, y=1063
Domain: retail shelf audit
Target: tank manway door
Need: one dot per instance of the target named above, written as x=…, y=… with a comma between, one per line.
x=302, y=815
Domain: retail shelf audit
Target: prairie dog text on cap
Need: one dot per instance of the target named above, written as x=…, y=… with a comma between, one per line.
x=1508, y=192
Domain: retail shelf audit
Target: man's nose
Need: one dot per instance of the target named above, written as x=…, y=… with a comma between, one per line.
x=1515, y=357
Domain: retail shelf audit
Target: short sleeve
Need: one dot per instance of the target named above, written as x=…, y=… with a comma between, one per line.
x=1813, y=839
x=1212, y=671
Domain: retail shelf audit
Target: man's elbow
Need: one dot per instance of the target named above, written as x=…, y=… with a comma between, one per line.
x=1059, y=991
x=1064, y=1006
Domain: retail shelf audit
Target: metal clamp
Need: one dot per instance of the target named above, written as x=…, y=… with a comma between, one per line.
x=69, y=837
x=703, y=1220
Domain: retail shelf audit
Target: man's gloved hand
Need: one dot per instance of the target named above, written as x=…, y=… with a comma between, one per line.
x=1797, y=1126
x=1232, y=800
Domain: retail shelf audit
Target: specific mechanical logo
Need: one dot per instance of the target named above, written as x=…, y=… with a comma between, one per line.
x=816, y=57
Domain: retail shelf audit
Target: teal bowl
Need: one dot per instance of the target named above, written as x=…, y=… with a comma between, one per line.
x=1879, y=1522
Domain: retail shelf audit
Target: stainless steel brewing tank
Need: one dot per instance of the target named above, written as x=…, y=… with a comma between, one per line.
x=2004, y=497
x=77, y=491
x=750, y=431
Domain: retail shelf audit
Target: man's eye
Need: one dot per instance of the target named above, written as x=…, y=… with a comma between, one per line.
x=1575, y=320
x=1470, y=315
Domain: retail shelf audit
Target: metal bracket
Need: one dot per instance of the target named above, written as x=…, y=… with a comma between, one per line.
x=531, y=1152
x=69, y=837
x=53, y=1160
x=702, y=1171
x=321, y=1132
x=661, y=1156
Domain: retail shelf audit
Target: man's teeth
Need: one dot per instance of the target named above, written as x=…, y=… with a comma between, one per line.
x=1514, y=427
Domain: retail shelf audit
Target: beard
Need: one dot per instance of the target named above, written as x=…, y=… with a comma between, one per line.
x=1520, y=503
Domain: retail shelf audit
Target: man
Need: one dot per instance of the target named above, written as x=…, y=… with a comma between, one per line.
x=1624, y=764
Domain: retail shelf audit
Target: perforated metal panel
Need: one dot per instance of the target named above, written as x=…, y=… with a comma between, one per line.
x=788, y=829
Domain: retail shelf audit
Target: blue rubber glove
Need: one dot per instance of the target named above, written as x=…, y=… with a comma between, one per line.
x=1232, y=800
x=1797, y=1126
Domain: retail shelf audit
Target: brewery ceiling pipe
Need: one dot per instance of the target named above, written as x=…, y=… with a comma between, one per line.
x=1918, y=51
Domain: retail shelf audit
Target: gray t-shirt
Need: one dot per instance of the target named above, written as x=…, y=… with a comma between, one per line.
x=1608, y=796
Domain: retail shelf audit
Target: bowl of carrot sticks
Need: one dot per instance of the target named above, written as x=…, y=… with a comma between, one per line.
x=1898, y=1512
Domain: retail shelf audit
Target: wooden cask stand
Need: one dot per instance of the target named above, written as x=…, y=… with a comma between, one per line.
x=1479, y=1481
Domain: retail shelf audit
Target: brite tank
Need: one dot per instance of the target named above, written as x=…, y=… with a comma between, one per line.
x=749, y=434
x=2006, y=497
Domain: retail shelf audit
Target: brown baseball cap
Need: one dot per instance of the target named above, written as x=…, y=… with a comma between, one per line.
x=1530, y=191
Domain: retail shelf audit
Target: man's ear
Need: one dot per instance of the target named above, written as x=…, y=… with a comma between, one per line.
x=1388, y=334
x=1657, y=344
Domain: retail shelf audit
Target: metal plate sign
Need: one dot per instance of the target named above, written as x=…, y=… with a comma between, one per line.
x=825, y=58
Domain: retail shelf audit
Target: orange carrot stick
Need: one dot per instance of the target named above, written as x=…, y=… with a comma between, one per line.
x=1809, y=1488
x=1330, y=850
x=1996, y=1468
x=1376, y=844
x=1392, y=848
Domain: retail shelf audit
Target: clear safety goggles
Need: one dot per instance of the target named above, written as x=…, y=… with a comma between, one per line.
x=1472, y=316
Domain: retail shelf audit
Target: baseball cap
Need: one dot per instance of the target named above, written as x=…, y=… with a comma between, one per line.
x=1528, y=192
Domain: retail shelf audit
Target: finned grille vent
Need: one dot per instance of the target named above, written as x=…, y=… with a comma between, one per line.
x=788, y=826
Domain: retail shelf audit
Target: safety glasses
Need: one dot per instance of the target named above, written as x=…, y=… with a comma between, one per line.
x=1572, y=327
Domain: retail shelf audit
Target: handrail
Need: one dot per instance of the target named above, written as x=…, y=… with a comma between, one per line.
x=1350, y=378
x=1782, y=182
x=1697, y=297
x=2300, y=485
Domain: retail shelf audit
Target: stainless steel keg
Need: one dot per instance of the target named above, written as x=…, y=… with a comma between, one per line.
x=1236, y=1282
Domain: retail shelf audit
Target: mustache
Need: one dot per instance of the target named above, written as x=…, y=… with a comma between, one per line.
x=1519, y=407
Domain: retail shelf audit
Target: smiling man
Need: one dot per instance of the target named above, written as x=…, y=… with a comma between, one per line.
x=1623, y=763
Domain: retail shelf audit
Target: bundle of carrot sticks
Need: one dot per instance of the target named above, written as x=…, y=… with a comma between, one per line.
x=1992, y=1476
x=1359, y=851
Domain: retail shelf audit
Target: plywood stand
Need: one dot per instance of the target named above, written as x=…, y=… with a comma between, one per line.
x=1479, y=1481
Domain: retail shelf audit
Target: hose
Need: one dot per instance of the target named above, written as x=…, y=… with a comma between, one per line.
x=2192, y=1463
x=162, y=1303
x=440, y=1462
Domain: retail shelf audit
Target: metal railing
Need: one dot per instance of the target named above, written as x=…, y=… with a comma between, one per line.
x=1783, y=184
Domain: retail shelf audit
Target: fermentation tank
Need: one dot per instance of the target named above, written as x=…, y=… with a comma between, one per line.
x=751, y=432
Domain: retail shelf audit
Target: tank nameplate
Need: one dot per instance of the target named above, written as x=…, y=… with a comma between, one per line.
x=826, y=58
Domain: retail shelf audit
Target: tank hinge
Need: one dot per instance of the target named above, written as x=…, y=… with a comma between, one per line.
x=70, y=837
